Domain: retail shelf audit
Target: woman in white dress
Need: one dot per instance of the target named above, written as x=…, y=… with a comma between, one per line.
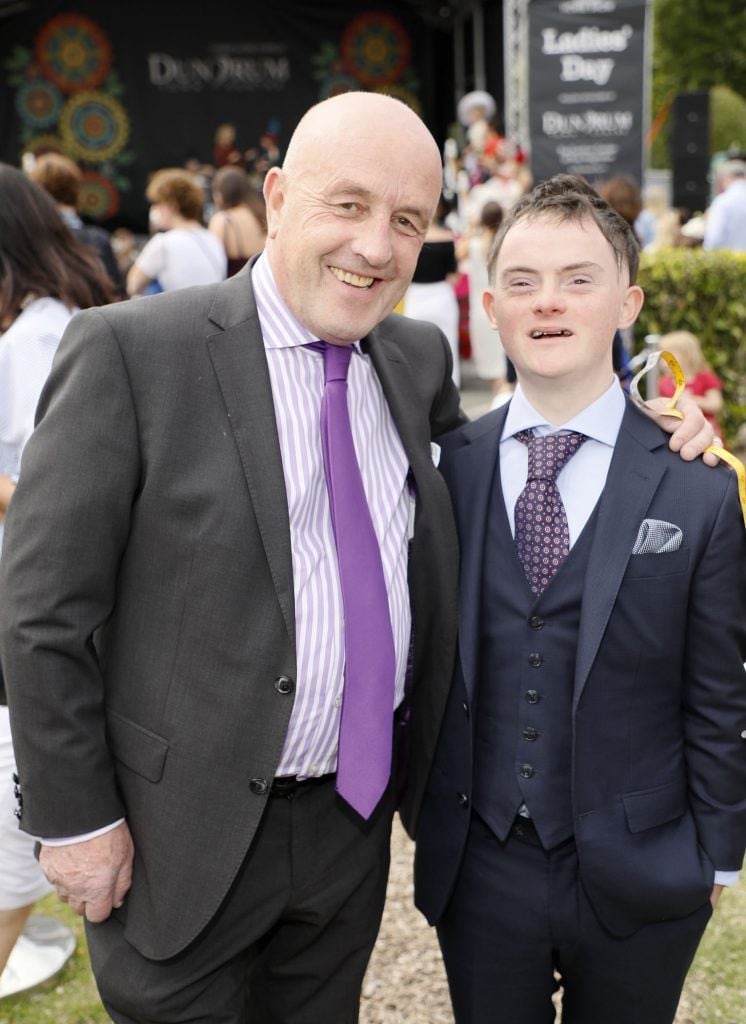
x=46, y=274
x=490, y=361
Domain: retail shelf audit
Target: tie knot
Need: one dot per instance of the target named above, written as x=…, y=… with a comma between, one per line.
x=336, y=359
x=548, y=455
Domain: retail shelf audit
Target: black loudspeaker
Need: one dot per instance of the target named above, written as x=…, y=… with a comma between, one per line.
x=690, y=150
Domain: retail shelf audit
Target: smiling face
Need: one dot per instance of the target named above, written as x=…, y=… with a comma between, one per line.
x=347, y=214
x=559, y=295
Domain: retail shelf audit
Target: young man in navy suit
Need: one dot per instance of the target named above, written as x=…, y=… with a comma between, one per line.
x=587, y=801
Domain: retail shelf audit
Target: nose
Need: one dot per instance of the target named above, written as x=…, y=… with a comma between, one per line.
x=549, y=298
x=373, y=241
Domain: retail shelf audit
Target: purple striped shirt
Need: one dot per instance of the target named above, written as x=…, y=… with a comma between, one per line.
x=297, y=378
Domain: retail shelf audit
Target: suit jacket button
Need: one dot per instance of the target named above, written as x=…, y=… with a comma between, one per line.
x=532, y=696
x=466, y=709
x=284, y=684
x=530, y=734
x=18, y=812
x=259, y=786
x=536, y=622
x=527, y=771
x=463, y=800
x=535, y=659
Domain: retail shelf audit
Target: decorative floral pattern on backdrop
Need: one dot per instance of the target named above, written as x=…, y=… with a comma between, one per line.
x=374, y=52
x=69, y=100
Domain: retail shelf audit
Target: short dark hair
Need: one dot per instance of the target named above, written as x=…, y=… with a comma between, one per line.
x=232, y=185
x=569, y=197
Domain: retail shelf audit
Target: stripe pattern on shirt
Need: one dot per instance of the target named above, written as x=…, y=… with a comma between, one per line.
x=297, y=380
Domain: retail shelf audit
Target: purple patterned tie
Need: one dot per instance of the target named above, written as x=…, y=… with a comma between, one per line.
x=542, y=539
x=367, y=723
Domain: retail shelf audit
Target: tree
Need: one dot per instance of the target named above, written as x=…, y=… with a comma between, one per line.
x=700, y=44
x=697, y=44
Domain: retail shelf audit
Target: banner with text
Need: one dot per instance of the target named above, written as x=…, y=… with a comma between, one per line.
x=587, y=87
x=127, y=88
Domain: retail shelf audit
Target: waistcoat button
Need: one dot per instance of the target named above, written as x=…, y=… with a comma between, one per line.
x=530, y=734
x=527, y=771
x=535, y=659
x=536, y=622
x=532, y=696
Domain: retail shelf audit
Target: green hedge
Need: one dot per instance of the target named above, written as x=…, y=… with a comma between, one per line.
x=705, y=293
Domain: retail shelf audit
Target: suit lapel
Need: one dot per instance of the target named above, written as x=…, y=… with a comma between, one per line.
x=407, y=415
x=634, y=475
x=470, y=472
x=240, y=364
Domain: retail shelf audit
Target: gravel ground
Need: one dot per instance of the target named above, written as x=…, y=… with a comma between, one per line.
x=405, y=983
x=405, y=980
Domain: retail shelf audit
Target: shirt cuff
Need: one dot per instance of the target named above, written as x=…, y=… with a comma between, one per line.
x=71, y=840
x=726, y=877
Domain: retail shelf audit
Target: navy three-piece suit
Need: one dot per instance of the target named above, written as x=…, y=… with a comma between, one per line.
x=613, y=706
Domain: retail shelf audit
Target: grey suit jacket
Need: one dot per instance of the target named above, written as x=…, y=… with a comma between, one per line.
x=146, y=591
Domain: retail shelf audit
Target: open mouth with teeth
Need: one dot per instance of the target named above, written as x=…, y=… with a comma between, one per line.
x=551, y=334
x=356, y=280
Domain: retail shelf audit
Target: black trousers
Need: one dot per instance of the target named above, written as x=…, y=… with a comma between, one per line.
x=519, y=913
x=292, y=940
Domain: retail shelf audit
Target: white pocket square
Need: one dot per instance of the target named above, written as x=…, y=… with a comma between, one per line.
x=435, y=453
x=657, y=537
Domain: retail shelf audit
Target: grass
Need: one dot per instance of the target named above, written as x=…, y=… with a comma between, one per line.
x=70, y=997
x=715, y=992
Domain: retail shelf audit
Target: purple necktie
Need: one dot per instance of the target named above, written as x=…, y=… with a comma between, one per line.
x=366, y=727
x=542, y=538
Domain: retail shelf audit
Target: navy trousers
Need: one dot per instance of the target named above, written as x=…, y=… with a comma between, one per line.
x=518, y=916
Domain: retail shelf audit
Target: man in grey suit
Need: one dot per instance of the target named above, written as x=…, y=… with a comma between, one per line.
x=173, y=633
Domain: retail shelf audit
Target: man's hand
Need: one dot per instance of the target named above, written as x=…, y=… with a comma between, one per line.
x=715, y=895
x=93, y=876
x=690, y=436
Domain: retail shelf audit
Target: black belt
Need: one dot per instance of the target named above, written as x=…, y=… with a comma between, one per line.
x=289, y=785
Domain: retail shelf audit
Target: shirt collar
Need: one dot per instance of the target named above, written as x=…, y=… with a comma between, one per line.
x=600, y=420
x=280, y=327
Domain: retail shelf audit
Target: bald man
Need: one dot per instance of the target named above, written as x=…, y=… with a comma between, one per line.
x=175, y=652
x=173, y=617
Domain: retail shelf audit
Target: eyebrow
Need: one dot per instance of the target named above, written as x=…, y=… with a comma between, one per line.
x=586, y=265
x=354, y=188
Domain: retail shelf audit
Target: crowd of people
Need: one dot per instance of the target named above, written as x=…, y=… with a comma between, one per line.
x=228, y=485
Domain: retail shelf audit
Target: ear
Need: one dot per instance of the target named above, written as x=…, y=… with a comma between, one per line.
x=631, y=306
x=488, y=301
x=274, y=196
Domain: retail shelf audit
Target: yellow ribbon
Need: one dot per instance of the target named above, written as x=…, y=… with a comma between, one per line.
x=671, y=410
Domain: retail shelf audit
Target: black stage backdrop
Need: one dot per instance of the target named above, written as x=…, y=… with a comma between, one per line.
x=587, y=87
x=129, y=87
